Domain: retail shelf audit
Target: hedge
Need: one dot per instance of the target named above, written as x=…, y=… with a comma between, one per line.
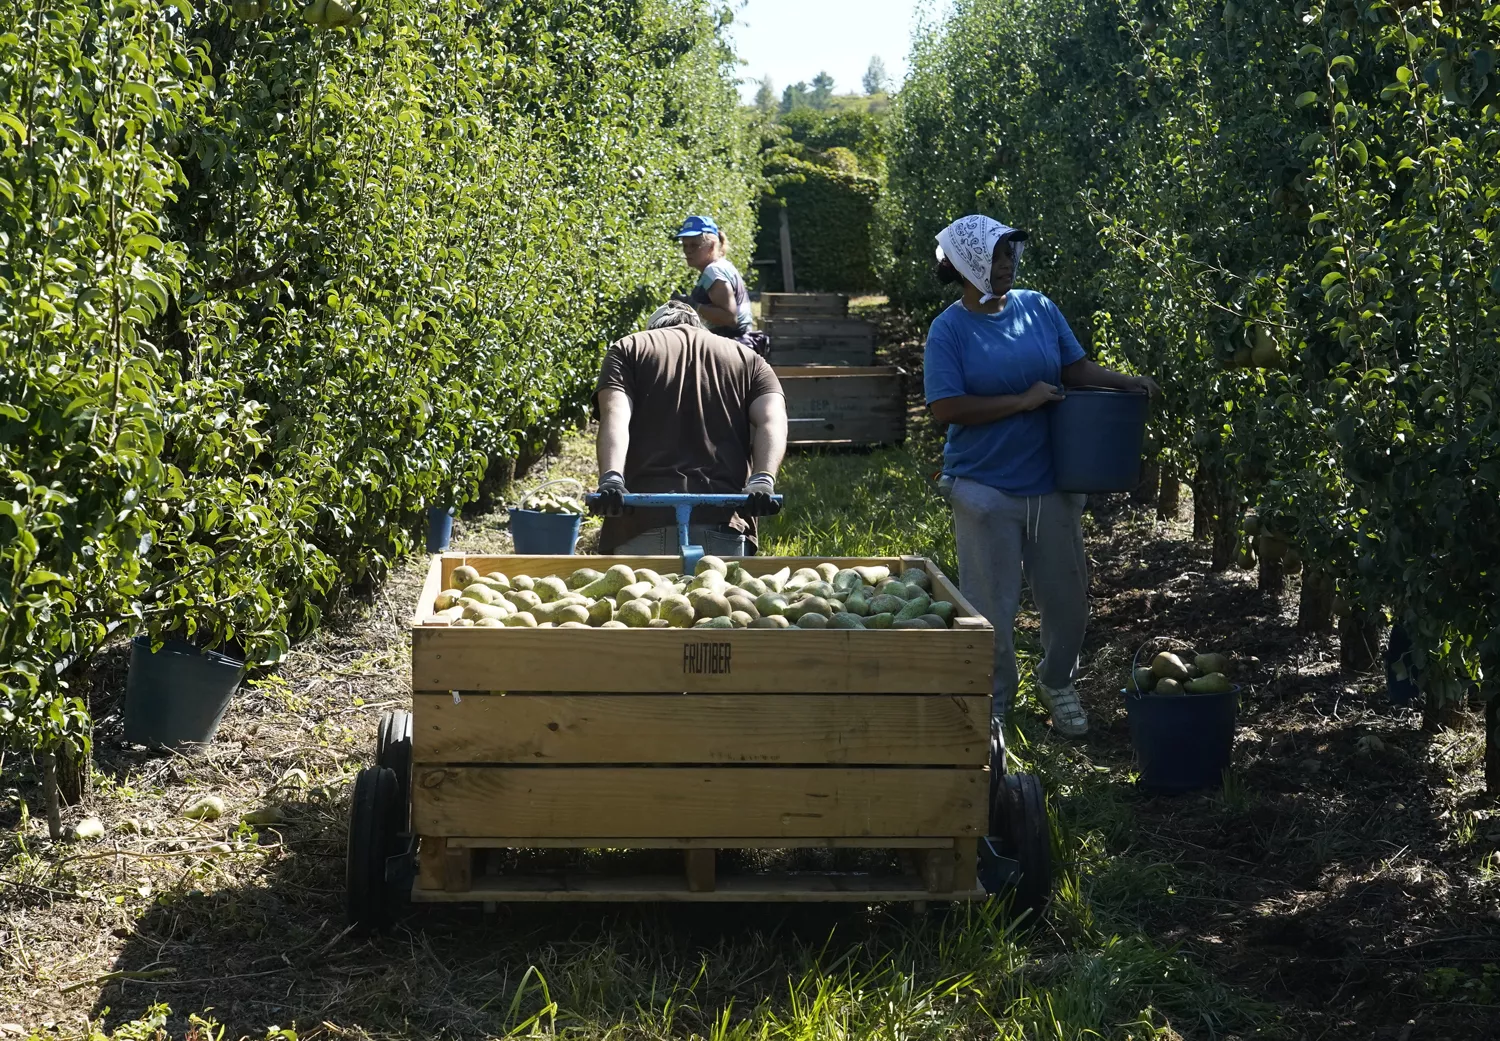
x=271, y=288
x=1287, y=214
x=832, y=220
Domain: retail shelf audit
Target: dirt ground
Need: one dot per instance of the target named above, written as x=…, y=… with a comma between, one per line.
x=1350, y=874
x=1350, y=886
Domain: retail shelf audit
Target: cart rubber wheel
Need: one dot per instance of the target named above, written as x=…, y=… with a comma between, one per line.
x=1019, y=824
x=372, y=838
x=393, y=751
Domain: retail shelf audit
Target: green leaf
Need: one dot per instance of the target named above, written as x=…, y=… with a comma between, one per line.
x=1306, y=98
x=1332, y=278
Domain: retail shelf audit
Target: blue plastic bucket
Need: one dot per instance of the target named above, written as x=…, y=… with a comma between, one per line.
x=1097, y=437
x=1182, y=742
x=177, y=695
x=553, y=534
x=439, y=528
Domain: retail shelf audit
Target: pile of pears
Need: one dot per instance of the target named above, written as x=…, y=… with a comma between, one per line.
x=1170, y=674
x=718, y=595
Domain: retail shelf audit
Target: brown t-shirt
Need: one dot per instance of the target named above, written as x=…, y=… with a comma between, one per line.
x=690, y=394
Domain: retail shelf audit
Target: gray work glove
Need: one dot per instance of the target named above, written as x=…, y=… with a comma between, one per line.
x=611, y=494
x=761, y=488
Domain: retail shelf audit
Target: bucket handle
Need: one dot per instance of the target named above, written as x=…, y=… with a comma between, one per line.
x=1135, y=662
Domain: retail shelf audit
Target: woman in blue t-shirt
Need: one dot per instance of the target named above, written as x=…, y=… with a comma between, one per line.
x=993, y=359
x=720, y=297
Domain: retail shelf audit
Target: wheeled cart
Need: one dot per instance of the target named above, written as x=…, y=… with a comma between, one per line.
x=696, y=741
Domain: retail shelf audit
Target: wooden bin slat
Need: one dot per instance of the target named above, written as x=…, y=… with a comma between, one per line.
x=803, y=729
x=616, y=842
x=836, y=404
x=771, y=661
x=817, y=354
x=821, y=341
x=576, y=887
x=701, y=801
x=822, y=330
x=840, y=661
x=822, y=305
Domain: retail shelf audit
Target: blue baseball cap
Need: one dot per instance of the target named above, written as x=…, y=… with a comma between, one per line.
x=694, y=226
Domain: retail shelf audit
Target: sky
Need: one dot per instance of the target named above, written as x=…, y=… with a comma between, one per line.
x=792, y=40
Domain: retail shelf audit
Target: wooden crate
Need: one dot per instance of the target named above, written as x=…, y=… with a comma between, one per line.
x=804, y=305
x=844, y=405
x=698, y=740
x=821, y=341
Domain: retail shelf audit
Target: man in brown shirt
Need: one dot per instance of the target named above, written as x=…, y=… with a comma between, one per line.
x=683, y=410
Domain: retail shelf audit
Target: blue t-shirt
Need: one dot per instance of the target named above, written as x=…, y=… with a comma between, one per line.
x=722, y=270
x=992, y=354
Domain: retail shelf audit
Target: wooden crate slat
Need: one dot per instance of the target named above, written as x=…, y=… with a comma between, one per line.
x=729, y=661
x=793, y=729
x=801, y=354
x=722, y=842
x=825, y=330
x=579, y=887
x=823, y=305
x=924, y=661
x=705, y=802
x=821, y=341
x=858, y=404
x=944, y=588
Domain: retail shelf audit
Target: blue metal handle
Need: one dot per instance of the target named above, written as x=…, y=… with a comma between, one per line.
x=682, y=503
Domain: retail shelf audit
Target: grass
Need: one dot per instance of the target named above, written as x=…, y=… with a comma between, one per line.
x=241, y=927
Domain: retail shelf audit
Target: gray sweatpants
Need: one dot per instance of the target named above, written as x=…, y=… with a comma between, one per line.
x=998, y=537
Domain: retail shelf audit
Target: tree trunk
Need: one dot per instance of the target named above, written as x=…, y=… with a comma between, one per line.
x=49, y=796
x=1169, y=497
x=1272, y=580
x=1224, y=526
x=1315, y=609
x=1201, y=525
x=1359, y=640
x=1447, y=715
x=1492, y=734
x=1224, y=548
x=1146, y=491
x=72, y=775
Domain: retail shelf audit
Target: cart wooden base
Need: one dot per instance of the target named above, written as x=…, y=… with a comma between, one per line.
x=667, y=889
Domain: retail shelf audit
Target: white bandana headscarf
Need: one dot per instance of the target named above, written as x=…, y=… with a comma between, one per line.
x=969, y=244
x=673, y=313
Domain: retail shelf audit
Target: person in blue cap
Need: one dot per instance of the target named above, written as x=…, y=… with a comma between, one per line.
x=721, y=298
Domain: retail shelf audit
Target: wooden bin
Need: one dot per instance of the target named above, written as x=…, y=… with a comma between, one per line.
x=844, y=405
x=698, y=740
x=821, y=341
x=804, y=305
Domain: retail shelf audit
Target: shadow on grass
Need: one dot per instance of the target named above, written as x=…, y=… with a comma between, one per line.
x=1327, y=878
x=270, y=951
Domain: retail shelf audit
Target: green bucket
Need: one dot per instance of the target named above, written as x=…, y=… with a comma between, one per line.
x=178, y=694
